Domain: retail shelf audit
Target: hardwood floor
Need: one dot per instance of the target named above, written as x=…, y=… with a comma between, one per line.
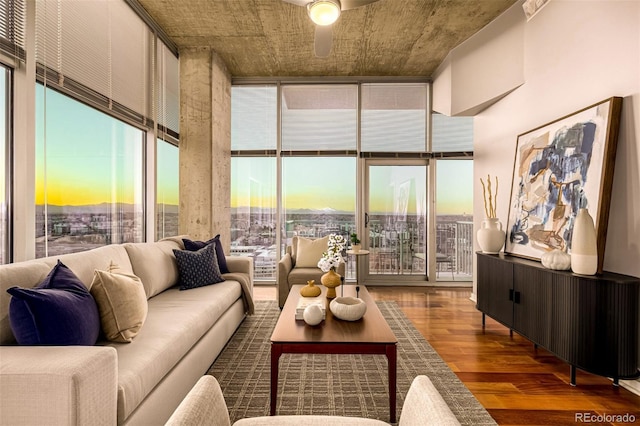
x=517, y=383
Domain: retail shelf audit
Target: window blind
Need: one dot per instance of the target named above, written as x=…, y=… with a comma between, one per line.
x=168, y=92
x=319, y=117
x=12, y=28
x=452, y=134
x=99, y=50
x=254, y=116
x=394, y=117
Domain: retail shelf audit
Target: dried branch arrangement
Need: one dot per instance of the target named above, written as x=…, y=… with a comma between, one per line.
x=492, y=202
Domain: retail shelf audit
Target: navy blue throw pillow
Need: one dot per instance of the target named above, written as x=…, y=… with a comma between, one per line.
x=197, y=245
x=59, y=311
x=197, y=268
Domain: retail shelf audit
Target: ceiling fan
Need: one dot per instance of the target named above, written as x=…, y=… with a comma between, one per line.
x=324, y=13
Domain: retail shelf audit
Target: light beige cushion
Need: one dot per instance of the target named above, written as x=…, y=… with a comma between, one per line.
x=309, y=252
x=155, y=264
x=122, y=303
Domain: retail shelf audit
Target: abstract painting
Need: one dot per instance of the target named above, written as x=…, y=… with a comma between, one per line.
x=559, y=168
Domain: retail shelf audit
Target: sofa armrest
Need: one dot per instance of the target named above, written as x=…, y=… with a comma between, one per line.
x=424, y=406
x=240, y=264
x=204, y=405
x=285, y=265
x=60, y=385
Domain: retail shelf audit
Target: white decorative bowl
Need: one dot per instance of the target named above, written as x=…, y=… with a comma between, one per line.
x=348, y=308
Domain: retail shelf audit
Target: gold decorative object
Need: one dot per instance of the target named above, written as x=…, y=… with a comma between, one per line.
x=331, y=280
x=310, y=290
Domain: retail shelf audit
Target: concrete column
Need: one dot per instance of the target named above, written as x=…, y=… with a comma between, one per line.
x=205, y=145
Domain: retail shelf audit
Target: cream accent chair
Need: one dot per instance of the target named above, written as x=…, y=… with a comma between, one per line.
x=300, y=264
x=204, y=405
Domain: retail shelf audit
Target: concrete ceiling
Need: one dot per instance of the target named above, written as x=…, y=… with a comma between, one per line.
x=273, y=38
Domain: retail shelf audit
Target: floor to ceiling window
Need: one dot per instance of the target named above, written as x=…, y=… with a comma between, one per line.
x=89, y=177
x=254, y=177
x=106, y=82
x=5, y=184
x=167, y=189
x=319, y=169
x=300, y=170
x=394, y=121
x=452, y=137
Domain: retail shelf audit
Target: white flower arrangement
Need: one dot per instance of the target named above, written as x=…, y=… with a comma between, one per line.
x=331, y=258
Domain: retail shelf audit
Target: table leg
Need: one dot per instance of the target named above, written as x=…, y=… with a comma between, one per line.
x=276, y=351
x=391, y=358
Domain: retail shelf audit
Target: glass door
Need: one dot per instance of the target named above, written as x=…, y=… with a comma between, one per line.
x=395, y=221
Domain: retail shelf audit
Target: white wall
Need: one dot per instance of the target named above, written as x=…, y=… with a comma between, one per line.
x=483, y=68
x=576, y=53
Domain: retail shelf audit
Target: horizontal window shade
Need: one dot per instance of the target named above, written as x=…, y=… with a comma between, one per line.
x=254, y=115
x=319, y=118
x=102, y=45
x=82, y=93
x=452, y=134
x=393, y=130
x=394, y=117
x=130, y=58
x=12, y=28
x=168, y=91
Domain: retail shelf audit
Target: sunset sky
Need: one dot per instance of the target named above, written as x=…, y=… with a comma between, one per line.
x=330, y=182
x=93, y=159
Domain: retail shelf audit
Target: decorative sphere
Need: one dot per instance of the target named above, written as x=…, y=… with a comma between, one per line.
x=312, y=315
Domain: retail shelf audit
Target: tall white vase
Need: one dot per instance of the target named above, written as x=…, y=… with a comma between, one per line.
x=491, y=236
x=584, y=247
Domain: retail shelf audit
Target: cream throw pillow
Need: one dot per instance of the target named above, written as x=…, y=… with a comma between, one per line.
x=309, y=252
x=122, y=303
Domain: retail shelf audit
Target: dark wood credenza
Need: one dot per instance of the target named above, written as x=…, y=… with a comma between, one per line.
x=591, y=322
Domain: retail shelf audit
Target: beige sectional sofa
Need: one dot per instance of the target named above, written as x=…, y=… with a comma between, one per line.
x=138, y=383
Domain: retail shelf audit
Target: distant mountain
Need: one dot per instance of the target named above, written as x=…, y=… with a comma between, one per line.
x=325, y=210
x=103, y=208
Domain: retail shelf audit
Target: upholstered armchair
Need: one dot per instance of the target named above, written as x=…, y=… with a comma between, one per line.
x=300, y=264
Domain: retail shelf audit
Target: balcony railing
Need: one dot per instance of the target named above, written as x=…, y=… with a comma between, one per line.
x=398, y=250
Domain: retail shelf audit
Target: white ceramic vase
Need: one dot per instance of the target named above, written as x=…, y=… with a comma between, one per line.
x=584, y=247
x=491, y=236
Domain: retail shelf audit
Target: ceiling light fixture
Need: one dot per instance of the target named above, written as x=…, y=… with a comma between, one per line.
x=324, y=12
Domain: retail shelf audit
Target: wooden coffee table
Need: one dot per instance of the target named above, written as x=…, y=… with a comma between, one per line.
x=369, y=335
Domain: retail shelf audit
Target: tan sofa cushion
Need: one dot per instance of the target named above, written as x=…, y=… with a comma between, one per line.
x=122, y=303
x=309, y=252
x=155, y=264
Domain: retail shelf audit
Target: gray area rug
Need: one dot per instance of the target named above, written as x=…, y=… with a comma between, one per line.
x=345, y=385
